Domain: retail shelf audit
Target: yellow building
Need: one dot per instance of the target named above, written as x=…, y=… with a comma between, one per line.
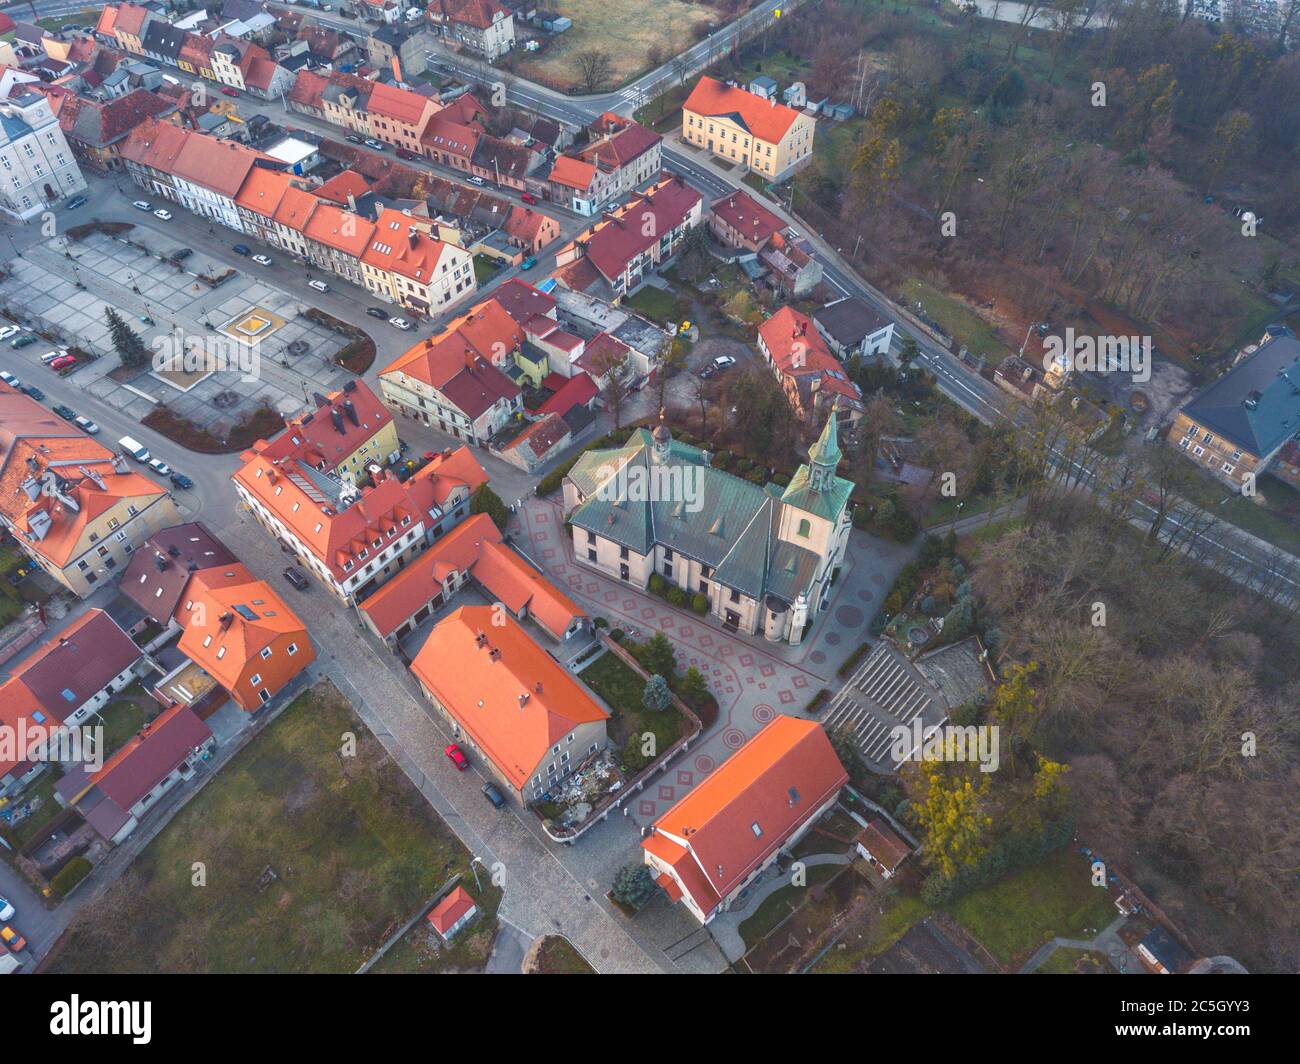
x=344, y=433
x=742, y=127
x=77, y=509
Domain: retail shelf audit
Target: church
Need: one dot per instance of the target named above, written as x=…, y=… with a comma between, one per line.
x=763, y=557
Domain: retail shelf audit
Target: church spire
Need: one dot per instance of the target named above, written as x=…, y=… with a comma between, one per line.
x=663, y=439
x=824, y=455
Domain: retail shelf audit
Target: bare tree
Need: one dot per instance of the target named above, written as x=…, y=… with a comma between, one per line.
x=594, y=66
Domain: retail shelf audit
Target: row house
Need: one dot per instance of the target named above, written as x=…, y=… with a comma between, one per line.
x=739, y=221
x=74, y=507
x=621, y=156
x=814, y=380
x=353, y=538
x=398, y=116
x=129, y=24
x=96, y=131
x=640, y=237
x=481, y=27
x=405, y=264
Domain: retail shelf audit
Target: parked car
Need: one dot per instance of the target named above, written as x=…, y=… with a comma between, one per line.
x=26, y=340
x=374, y=145
x=295, y=576
x=6, y=910
x=163, y=215
x=142, y=205
x=493, y=795
x=406, y=153
x=377, y=312
x=75, y=202
x=181, y=254
x=50, y=356
x=399, y=323
x=33, y=391
x=228, y=91
x=263, y=260
x=85, y=424
x=352, y=138
x=10, y=379
x=12, y=939
x=320, y=286
x=135, y=449
x=528, y=197
x=242, y=249
x=63, y=362
x=475, y=180
x=722, y=362
x=456, y=757
x=160, y=467
x=528, y=263
x=180, y=480
x=66, y=412
x=7, y=331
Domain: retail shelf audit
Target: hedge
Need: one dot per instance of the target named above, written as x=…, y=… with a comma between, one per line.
x=70, y=875
x=852, y=660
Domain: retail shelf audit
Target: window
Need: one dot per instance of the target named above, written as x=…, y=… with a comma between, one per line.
x=1236, y=456
x=668, y=554
x=758, y=831
x=266, y=653
x=623, y=553
x=735, y=595
x=255, y=679
x=1228, y=467
x=1198, y=451
x=805, y=527
x=1184, y=442
x=221, y=653
x=591, y=554
x=1209, y=437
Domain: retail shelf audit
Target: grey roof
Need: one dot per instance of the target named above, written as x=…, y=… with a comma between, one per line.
x=849, y=321
x=957, y=671
x=1256, y=404
x=717, y=519
x=160, y=38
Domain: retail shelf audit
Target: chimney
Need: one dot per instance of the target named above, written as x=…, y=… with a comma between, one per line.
x=225, y=620
x=352, y=203
x=480, y=639
x=523, y=700
x=494, y=654
x=538, y=688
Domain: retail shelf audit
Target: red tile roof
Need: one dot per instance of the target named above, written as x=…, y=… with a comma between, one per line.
x=618, y=240
x=401, y=104
x=755, y=223
x=477, y=13
x=307, y=89
x=262, y=191
x=452, y=908
x=575, y=173
x=797, y=351
x=149, y=757
x=744, y=812
x=522, y=301
x=325, y=434
x=77, y=664
x=765, y=119
x=578, y=390
x=508, y=695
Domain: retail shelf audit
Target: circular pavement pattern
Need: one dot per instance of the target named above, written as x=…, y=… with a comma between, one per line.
x=764, y=713
x=865, y=594
x=878, y=579
x=733, y=738
x=833, y=638
x=849, y=617
x=704, y=764
x=817, y=657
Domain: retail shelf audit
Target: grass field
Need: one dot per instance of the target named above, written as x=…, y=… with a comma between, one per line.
x=626, y=29
x=622, y=689
x=354, y=849
x=421, y=951
x=556, y=956
x=1066, y=961
x=781, y=903
x=1055, y=897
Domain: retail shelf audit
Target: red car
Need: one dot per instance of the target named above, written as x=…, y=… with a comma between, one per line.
x=528, y=197
x=228, y=91
x=62, y=361
x=457, y=758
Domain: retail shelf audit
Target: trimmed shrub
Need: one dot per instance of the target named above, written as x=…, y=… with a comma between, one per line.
x=676, y=596
x=700, y=604
x=70, y=875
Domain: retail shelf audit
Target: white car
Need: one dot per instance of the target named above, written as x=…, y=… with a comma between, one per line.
x=142, y=205
x=50, y=356
x=320, y=286
x=160, y=467
x=400, y=323
x=374, y=145
x=8, y=331
x=163, y=215
x=723, y=362
x=6, y=910
x=85, y=424
x=475, y=180
x=263, y=260
x=10, y=379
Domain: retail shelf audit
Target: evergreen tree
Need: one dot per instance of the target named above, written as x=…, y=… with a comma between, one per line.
x=656, y=695
x=486, y=501
x=633, y=885
x=126, y=342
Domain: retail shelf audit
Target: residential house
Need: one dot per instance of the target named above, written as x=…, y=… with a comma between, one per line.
x=455, y=379
x=1237, y=426
x=403, y=51
x=734, y=824
x=73, y=506
x=129, y=26
x=620, y=156
x=398, y=116
x=344, y=433
x=481, y=27
x=403, y=262
x=529, y=720
x=449, y=142
x=162, y=41
x=880, y=847
x=1162, y=954
x=529, y=229
x=543, y=440
x=474, y=548
x=814, y=380
x=61, y=686
x=159, y=571
x=765, y=558
x=96, y=131
x=115, y=798
x=852, y=326
x=452, y=913
x=767, y=137
x=737, y=220
x=353, y=538
x=640, y=237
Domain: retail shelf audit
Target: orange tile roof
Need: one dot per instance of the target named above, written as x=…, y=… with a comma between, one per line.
x=131, y=19
x=340, y=229
x=451, y=468
x=401, y=104
x=516, y=584
x=107, y=20
x=295, y=209
x=262, y=191
x=17, y=704
x=452, y=908
x=573, y=172
x=314, y=436
x=741, y=814
x=765, y=119
x=307, y=89
x=507, y=693
x=340, y=186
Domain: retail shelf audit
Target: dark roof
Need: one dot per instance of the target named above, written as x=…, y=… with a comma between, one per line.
x=1256, y=404
x=849, y=321
x=522, y=301
x=160, y=569
x=163, y=39
x=1161, y=945
x=79, y=663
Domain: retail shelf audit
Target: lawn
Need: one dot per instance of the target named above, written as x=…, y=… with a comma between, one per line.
x=622, y=688
x=874, y=937
x=1016, y=915
x=1066, y=961
x=658, y=304
x=309, y=860
x=47, y=807
x=121, y=720
x=556, y=956
x=956, y=318
x=484, y=271
x=781, y=903
x=626, y=29
x=421, y=951
x=11, y=602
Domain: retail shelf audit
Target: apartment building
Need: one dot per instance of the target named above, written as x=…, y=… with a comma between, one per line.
x=481, y=27
x=76, y=508
x=814, y=381
x=729, y=122
x=37, y=166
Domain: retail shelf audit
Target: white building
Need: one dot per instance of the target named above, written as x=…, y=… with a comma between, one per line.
x=38, y=167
